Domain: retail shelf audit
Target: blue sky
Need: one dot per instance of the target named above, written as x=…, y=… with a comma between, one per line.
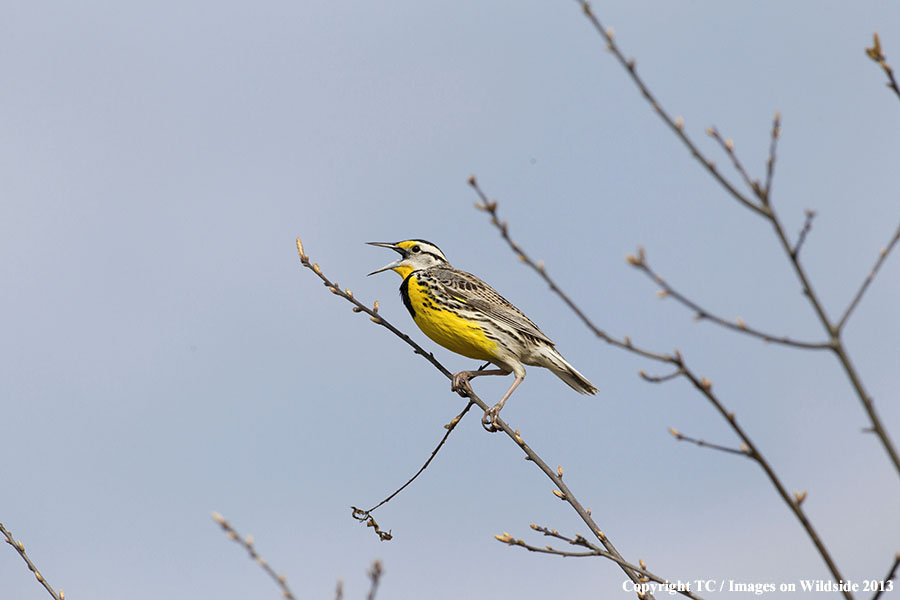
x=165, y=356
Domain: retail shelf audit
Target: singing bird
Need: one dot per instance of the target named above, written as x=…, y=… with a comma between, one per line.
x=464, y=314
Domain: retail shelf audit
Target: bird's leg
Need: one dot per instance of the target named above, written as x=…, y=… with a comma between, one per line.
x=487, y=421
x=460, y=380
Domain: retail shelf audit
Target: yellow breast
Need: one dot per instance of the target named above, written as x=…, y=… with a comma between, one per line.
x=447, y=328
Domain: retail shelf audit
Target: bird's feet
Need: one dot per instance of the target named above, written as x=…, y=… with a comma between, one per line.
x=460, y=383
x=489, y=420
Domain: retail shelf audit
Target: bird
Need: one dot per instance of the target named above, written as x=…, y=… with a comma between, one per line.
x=464, y=314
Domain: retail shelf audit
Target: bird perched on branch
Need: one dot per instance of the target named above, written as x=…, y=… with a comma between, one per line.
x=464, y=314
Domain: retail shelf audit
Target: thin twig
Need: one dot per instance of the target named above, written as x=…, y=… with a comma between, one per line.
x=594, y=550
x=625, y=343
x=704, y=444
x=837, y=344
x=375, y=574
x=891, y=576
x=20, y=548
x=363, y=515
x=347, y=295
x=247, y=543
x=499, y=423
x=878, y=56
x=639, y=261
x=676, y=125
x=865, y=284
x=704, y=386
x=765, y=209
x=770, y=161
x=807, y=226
x=660, y=378
x=728, y=147
x=701, y=383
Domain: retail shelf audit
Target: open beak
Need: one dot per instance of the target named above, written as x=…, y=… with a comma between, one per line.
x=393, y=247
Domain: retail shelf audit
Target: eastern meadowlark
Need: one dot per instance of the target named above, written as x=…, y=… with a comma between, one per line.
x=464, y=314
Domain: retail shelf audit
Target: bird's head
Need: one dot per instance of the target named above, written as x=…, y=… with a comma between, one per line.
x=414, y=256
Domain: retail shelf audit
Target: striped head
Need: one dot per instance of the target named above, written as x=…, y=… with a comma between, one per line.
x=415, y=255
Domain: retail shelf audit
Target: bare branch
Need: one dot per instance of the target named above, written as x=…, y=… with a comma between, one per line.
x=743, y=451
x=770, y=162
x=247, y=543
x=375, y=577
x=593, y=550
x=660, y=378
x=728, y=147
x=891, y=576
x=499, y=423
x=701, y=313
x=676, y=125
x=347, y=295
x=807, y=226
x=705, y=387
x=365, y=515
x=765, y=209
x=701, y=383
x=865, y=284
x=837, y=344
x=20, y=548
x=878, y=56
x=625, y=344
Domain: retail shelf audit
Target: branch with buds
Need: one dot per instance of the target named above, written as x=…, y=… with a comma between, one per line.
x=702, y=384
x=20, y=548
x=594, y=550
x=562, y=490
x=759, y=201
x=876, y=54
x=247, y=543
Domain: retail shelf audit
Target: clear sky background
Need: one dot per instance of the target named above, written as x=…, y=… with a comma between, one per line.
x=163, y=354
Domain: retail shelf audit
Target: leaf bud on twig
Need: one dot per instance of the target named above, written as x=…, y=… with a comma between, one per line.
x=300, y=250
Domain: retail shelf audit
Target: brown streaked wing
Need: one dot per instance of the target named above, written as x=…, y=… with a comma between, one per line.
x=475, y=293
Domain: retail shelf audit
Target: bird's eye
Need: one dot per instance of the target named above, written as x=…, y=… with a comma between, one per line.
x=415, y=248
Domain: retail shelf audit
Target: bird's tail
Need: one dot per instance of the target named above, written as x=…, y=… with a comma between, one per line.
x=575, y=380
